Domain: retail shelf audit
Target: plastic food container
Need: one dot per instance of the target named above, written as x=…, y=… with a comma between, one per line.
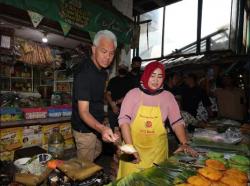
x=44, y=158
x=21, y=163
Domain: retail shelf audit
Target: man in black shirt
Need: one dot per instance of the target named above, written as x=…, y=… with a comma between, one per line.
x=88, y=95
x=135, y=73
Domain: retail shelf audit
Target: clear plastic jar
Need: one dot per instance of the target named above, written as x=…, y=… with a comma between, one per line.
x=56, y=144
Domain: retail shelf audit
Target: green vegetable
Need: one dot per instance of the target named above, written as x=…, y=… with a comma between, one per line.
x=213, y=155
x=240, y=167
x=240, y=160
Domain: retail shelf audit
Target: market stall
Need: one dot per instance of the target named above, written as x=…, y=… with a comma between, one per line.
x=41, y=45
x=223, y=160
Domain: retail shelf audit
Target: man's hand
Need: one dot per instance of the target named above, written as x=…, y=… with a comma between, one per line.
x=108, y=135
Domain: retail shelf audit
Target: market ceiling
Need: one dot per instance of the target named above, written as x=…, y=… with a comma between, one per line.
x=20, y=21
x=142, y=6
x=139, y=7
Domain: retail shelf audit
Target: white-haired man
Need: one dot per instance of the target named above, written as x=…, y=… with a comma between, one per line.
x=88, y=95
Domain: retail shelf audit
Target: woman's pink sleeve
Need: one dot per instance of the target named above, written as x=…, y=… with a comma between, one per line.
x=174, y=115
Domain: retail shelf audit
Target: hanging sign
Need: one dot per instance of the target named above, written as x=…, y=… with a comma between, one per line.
x=83, y=14
x=73, y=13
x=35, y=18
x=65, y=27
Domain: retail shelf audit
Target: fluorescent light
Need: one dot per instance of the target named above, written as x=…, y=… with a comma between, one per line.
x=45, y=39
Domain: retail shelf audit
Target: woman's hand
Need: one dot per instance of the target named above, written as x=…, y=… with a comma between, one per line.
x=137, y=157
x=187, y=150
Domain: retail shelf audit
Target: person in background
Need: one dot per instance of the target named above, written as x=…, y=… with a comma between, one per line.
x=193, y=95
x=174, y=84
x=88, y=97
x=231, y=100
x=142, y=116
x=208, y=87
x=117, y=88
x=135, y=72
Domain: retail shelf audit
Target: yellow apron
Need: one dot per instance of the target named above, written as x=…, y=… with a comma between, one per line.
x=149, y=138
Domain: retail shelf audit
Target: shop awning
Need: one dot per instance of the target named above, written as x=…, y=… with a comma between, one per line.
x=82, y=14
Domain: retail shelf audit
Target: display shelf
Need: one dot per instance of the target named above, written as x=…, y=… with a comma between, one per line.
x=46, y=77
x=16, y=77
x=21, y=78
x=22, y=123
x=65, y=81
x=62, y=83
x=5, y=77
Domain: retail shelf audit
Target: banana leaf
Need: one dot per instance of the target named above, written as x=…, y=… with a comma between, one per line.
x=221, y=147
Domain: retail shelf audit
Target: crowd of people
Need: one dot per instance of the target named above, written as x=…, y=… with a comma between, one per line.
x=207, y=96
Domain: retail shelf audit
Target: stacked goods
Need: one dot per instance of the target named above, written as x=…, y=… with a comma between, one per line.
x=34, y=53
x=10, y=114
x=35, y=113
x=10, y=139
x=32, y=136
x=60, y=110
x=215, y=174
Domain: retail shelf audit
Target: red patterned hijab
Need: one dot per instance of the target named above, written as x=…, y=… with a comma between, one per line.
x=149, y=69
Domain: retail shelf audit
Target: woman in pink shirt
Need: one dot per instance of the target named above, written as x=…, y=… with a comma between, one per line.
x=142, y=116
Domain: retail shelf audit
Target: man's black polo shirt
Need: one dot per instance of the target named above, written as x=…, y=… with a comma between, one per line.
x=88, y=85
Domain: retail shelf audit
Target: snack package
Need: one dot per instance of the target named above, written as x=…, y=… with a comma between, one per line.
x=11, y=139
x=32, y=136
